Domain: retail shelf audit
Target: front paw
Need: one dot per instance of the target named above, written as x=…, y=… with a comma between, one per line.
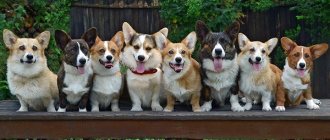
x=168, y=109
x=280, y=108
x=313, y=106
x=83, y=110
x=136, y=108
x=22, y=109
x=207, y=106
x=115, y=109
x=61, y=109
x=266, y=108
x=156, y=107
x=237, y=108
x=248, y=106
x=197, y=110
x=317, y=101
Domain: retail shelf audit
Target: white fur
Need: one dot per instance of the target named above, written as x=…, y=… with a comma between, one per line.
x=218, y=46
x=81, y=55
x=311, y=104
x=207, y=106
x=301, y=60
x=235, y=106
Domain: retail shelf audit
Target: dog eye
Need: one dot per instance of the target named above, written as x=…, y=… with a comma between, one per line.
x=34, y=48
x=263, y=51
x=296, y=54
x=22, y=48
x=148, y=48
x=183, y=52
x=101, y=51
x=136, y=47
x=171, y=52
x=252, y=50
x=113, y=51
x=306, y=55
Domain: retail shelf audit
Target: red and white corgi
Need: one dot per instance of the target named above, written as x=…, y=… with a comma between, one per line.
x=258, y=77
x=107, y=80
x=143, y=59
x=297, y=69
x=182, y=80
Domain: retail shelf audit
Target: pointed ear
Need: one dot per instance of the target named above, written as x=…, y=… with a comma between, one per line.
x=319, y=49
x=288, y=45
x=164, y=31
x=160, y=40
x=61, y=39
x=232, y=31
x=9, y=38
x=89, y=36
x=118, y=38
x=43, y=39
x=272, y=44
x=242, y=41
x=190, y=41
x=128, y=32
x=201, y=30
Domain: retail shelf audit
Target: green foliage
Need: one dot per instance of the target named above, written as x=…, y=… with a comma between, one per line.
x=259, y=5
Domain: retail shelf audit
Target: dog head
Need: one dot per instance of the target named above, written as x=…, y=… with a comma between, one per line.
x=255, y=53
x=76, y=51
x=106, y=53
x=26, y=51
x=218, y=48
x=300, y=58
x=140, y=52
x=177, y=56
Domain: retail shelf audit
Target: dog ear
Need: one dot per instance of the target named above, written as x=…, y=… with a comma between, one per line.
x=160, y=40
x=201, y=30
x=89, y=36
x=272, y=44
x=9, y=38
x=43, y=39
x=164, y=31
x=118, y=38
x=62, y=39
x=233, y=30
x=288, y=45
x=242, y=41
x=190, y=41
x=128, y=32
x=319, y=49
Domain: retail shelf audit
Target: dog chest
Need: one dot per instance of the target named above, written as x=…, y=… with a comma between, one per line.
x=107, y=84
x=181, y=93
x=221, y=80
x=75, y=86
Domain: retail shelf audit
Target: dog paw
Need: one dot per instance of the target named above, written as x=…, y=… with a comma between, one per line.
x=248, y=106
x=266, y=108
x=243, y=100
x=95, y=109
x=317, y=101
x=313, y=106
x=167, y=109
x=115, y=109
x=197, y=110
x=280, y=108
x=206, y=107
x=61, y=109
x=136, y=108
x=51, y=110
x=83, y=110
x=156, y=108
x=22, y=109
x=237, y=108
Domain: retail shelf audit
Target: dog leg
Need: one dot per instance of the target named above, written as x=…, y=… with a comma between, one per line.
x=83, y=102
x=195, y=102
x=136, y=102
x=248, y=104
x=155, y=106
x=266, y=98
x=50, y=106
x=95, y=106
x=63, y=103
x=114, y=105
x=235, y=106
x=170, y=102
x=207, y=106
x=309, y=99
x=24, y=106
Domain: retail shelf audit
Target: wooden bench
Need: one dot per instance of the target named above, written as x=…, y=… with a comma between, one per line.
x=219, y=123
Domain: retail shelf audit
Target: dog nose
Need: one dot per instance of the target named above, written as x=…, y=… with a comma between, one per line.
x=302, y=65
x=141, y=57
x=178, y=59
x=218, y=51
x=109, y=57
x=82, y=61
x=258, y=59
x=29, y=56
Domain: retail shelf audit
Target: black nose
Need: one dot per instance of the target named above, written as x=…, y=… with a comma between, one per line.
x=302, y=65
x=109, y=57
x=178, y=59
x=29, y=56
x=258, y=59
x=141, y=57
x=82, y=61
x=218, y=51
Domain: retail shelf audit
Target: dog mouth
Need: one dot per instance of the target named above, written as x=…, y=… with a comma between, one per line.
x=176, y=67
x=217, y=63
x=107, y=65
x=301, y=72
x=81, y=69
x=28, y=61
x=255, y=65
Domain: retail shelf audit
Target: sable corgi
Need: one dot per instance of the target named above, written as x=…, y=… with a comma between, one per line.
x=297, y=69
x=143, y=59
x=28, y=75
x=218, y=58
x=107, y=81
x=75, y=75
x=181, y=72
x=258, y=76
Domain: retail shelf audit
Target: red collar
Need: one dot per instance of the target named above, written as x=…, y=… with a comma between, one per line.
x=150, y=71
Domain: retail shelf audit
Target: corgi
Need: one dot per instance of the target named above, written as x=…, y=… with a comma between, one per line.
x=75, y=75
x=297, y=69
x=107, y=81
x=181, y=78
x=28, y=75
x=143, y=59
x=258, y=77
x=220, y=69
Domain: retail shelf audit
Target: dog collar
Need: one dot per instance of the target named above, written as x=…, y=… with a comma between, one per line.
x=150, y=71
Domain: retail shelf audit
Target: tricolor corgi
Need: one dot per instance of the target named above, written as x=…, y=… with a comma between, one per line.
x=297, y=69
x=75, y=75
x=182, y=80
x=28, y=75
x=259, y=78
x=218, y=58
x=107, y=81
x=143, y=59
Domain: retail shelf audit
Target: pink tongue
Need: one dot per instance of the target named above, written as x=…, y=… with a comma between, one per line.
x=108, y=65
x=256, y=67
x=81, y=70
x=140, y=67
x=178, y=68
x=217, y=64
x=301, y=73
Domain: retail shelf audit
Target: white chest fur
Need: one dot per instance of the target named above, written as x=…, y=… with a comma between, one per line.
x=292, y=83
x=107, y=84
x=180, y=93
x=247, y=84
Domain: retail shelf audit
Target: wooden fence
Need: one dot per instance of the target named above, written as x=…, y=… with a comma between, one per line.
x=143, y=15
